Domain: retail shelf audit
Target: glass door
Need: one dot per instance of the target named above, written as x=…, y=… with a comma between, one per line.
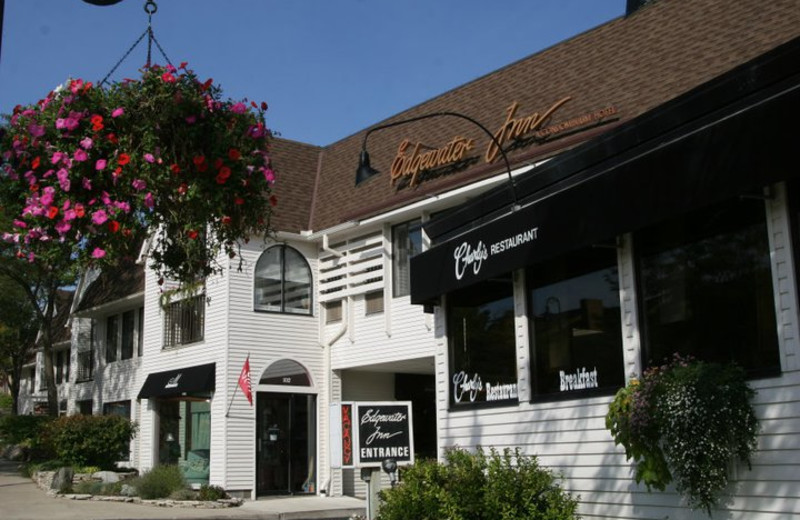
x=285, y=443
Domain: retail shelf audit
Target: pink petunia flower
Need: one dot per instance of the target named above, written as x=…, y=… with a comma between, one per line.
x=139, y=184
x=149, y=158
x=98, y=253
x=63, y=179
x=99, y=216
x=239, y=108
x=148, y=200
x=117, y=112
x=87, y=143
x=80, y=155
x=63, y=226
x=100, y=164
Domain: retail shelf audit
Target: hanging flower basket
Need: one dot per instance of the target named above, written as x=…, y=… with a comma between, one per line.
x=88, y=172
x=685, y=422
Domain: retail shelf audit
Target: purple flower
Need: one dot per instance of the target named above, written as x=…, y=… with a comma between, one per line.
x=148, y=200
x=149, y=158
x=139, y=184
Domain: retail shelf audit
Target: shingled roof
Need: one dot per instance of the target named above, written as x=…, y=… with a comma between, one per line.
x=632, y=64
x=112, y=285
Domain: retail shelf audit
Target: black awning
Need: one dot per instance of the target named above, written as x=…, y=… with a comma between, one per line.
x=713, y=155
x=183, y=381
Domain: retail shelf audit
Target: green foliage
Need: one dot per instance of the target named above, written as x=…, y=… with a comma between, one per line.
x=98, y=440
x=5, y=403
x=160, y=482
x=94, y=487
x=684, y=422
x=476, y=486
x=30, y=432
x=184, y=494
x=211, y=493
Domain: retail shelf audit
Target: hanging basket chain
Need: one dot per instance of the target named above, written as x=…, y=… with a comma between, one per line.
x=150, y=8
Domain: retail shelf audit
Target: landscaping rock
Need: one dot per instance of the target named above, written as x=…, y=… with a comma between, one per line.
x=62, y=480
x=15, y=453
x=128, y=491
x=106, y=477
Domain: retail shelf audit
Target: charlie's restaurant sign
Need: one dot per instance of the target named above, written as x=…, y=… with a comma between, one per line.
x=414, y=158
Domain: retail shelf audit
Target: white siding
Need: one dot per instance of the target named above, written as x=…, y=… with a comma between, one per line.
x=267, y=337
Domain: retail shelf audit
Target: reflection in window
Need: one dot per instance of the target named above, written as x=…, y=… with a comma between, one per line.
x=283, y=281
x=480, y=329
x=706, y=288
x=406, y=243
x=577, y=333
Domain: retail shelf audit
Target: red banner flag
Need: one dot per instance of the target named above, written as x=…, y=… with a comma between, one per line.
x=244, y=381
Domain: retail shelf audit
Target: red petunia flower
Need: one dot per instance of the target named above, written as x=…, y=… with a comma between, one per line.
x=234, y=154
x=35, y=163
x=97, y=122
x=226, y=220
x=123, y=159
x=175, y=168
x=218, y=163
x=113, y=226
x=238, y=201
x=192, y=234
x=273, y=200
x=52, y=212
x=112, y=138
x=223, y=175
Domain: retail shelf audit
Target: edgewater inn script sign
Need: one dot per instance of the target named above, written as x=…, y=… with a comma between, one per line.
x=414, y=158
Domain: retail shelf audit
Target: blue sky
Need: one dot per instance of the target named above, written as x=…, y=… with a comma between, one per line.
x=327, y=68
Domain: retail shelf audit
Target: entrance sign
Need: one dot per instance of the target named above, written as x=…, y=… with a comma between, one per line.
x=383, y=430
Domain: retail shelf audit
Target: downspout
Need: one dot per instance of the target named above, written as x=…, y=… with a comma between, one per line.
x=327, y=345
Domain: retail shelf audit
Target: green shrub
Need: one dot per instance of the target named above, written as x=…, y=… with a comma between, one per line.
x=97, y=440
x=6, y=401
x=476, y=486
x=28, y=431
x=88, y=487
x=684, y=422
x=211, y=493
x=160, y=482
x=184, y=494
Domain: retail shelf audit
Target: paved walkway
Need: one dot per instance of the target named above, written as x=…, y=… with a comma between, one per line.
x=21, y=499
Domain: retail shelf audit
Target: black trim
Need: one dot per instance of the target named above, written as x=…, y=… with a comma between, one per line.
x=183, y=381
x=733, y=135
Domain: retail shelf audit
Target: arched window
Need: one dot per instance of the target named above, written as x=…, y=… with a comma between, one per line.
x=282, y=281
x=286, y=372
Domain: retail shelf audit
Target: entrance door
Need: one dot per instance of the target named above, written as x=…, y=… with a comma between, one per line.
x=285, y=443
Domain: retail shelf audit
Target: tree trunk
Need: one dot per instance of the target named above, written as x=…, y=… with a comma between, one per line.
x=47, y=349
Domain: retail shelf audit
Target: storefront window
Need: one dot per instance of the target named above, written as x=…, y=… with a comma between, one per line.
x=185, y=437
x=480, y=327
x=706, y=288
x=575, y=320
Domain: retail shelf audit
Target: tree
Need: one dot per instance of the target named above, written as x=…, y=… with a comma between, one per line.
x=87, y=172
x=19, y=326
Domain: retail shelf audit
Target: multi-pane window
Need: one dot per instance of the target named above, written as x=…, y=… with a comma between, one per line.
x=85, y=407
x=61, y=366
x=85, y=366
x=124, y=335
x=705, y=288
x=112, y=333
x=406, y=243
x=120, y=408
x=283, y=281
x=184, y=321
x=575, y=321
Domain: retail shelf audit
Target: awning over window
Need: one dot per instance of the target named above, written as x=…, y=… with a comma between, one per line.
x=732, y=136
x=183, y=381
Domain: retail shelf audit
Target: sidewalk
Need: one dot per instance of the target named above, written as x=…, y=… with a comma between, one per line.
x=20, y=499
